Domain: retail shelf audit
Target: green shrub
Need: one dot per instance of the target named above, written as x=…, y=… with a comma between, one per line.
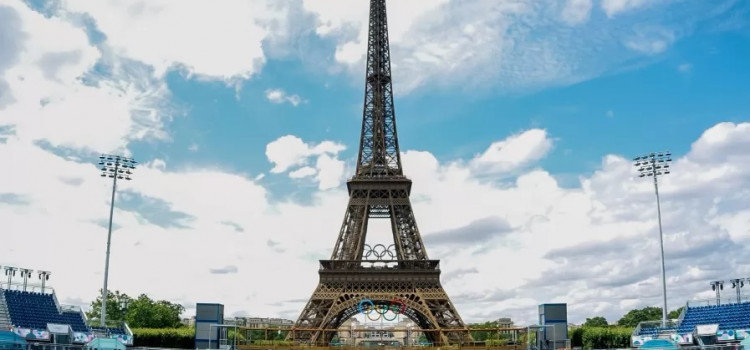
x=605, y=337
x=179, y=338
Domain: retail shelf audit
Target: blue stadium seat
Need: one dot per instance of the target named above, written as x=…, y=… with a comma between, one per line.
x=728, y=317
x=35, y=310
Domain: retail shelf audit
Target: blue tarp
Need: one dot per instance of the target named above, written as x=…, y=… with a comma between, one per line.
x=660, y=344
x=105, y=344
x=11, y=340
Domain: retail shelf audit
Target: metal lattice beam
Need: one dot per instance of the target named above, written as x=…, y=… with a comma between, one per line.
x=379, y=189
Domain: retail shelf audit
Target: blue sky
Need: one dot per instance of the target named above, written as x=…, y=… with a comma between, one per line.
x=664, y=103
x=517, y=120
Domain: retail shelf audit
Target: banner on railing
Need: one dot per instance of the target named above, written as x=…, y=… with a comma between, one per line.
x=727, y=335
x=638, y=340
x=123, y=338
x=31, y=333
x=82, y=338
x=682, y=339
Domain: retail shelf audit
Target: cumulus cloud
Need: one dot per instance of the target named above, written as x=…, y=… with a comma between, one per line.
x=597, y=239
x=220, y=41
x=514, y=152
x=525, y=45
x=606, y=225
x=50, y=84
x=280, y=96
x=289, y=151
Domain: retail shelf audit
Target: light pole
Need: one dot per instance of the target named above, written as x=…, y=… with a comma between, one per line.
x=718, y=286
x=26, y=273
x=738, y=283
x=115, y=167
x=44, y=276
x=10, y=271
x=654, y=165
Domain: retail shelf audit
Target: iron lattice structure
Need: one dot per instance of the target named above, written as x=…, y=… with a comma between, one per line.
x=379, y=189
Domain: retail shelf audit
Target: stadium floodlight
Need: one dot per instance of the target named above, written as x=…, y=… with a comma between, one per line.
x=717, y=286
x=10, y=271
x=738, y=283
x=44, y=276
x=26, y=273
x=114, y=167
x=655, y=165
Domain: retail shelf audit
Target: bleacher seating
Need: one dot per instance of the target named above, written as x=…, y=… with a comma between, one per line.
x=728, y=317
x=35, y=310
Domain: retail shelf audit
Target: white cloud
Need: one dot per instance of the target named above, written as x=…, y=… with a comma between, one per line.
x=650, y=40
x=280, y=96
x=513, y=153
x=614, y=7
x=302, y=172
x=524, y=45
x=289, y=151
x=596, y=239
x=606, y=224
x=48, y=91
x=577, y=11
x=217, y=40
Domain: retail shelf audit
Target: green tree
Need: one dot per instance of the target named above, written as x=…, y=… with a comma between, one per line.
x=597, y=321
x=146, y=313
x=138, y=313
x=675, y=313
x=116, y=302
x=649, y=313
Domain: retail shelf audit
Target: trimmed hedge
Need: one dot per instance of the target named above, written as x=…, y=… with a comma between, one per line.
x=179, y=338
x=601, y=337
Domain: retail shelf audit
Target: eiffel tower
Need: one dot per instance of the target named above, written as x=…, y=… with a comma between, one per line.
x=402, y=271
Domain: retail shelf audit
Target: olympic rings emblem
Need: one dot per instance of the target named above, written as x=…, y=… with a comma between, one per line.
x=368, y=307
x=379, y=252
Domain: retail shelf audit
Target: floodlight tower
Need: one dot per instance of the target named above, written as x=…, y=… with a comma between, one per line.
x=655, y=165
x=115, y=167
x=26, y=273
x=738, y=283
x=10, y=271
x=718, y=286
x=44, y=276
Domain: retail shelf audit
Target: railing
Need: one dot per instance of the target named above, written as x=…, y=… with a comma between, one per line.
x=70, y=308
x=647, y=325
x=37, y=288
x=369, y=265
x=682, y=313
x=714, y=302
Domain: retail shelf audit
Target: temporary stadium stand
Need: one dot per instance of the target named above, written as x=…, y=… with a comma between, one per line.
x=728, y=317
x=35, y=310
x=31, y=312
x=733, y=320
